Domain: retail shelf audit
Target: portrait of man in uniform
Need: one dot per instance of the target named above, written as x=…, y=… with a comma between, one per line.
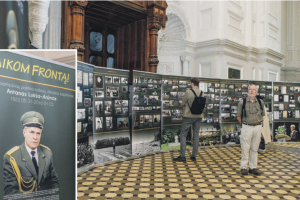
x=29, y=167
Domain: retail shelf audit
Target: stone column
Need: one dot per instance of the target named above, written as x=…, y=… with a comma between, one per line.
x=185, y=67
x=77, y=37
x=38, y=20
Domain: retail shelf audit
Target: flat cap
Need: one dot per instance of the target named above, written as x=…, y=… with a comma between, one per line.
x=32, y=119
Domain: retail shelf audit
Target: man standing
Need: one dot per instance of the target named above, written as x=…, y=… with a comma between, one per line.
x=294, y=134
x=189, y=120
x=29, y=167
x=251, y=130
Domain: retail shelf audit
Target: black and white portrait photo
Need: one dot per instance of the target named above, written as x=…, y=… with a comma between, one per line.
x=136, y=99
x=91, y=81
x=108, y=107
x=99, y=81
x=84, y=128
x=90, y=119
x=81, y=113
x=124, y=102
x=125, y=111
x=109, y=123
x=87, y=102
x=124, y=88
x=90, y=110
x=112, y=92
x=118, y=111
x=99, y=123
x=116, y=80
x=98, y=107
x=86, y=91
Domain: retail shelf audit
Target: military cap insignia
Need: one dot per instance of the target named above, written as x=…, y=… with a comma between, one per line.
x=45, y=147
x=11, y=151
x=35, y=119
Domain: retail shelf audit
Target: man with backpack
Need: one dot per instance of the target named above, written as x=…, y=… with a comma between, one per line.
x=250, y=114
x=193, y=104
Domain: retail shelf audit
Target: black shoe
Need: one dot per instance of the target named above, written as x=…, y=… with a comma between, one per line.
x=254, y=171
x=244, y=172
x=193, y=158
x=182, y=159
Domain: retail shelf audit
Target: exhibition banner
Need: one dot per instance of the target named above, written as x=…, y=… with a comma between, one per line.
x=111, y=117
x=37, y=120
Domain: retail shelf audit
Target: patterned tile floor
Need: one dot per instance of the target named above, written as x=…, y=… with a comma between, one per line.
x=287, y=144
x=215, y=175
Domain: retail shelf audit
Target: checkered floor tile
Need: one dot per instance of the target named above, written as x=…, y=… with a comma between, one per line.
x=215, y=175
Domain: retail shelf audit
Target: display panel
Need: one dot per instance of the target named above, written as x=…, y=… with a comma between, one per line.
x=146, y=112
x=112, y=139
x=41, y=95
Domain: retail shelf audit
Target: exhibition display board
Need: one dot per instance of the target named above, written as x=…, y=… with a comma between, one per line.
x=38, y=113
x=146, y=112
x=286, y=109
x=112, y=139
x=85, y=99
x=146, y=116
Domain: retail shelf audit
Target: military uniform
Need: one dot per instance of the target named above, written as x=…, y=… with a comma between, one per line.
x=251, y=131
x=45, y=179
x=23, y=173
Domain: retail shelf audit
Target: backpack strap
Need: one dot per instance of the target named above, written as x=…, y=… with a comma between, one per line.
x=260, y=105
x=243, y=109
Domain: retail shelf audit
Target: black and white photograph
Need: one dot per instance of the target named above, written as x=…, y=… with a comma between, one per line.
x=87, y=102
x=225, y=116
x=124, y=88
x=107, y=107
x=124, y=102
x=166, y=113
x=147, y=119
x=85, y=78
x=244, y=87
x=144, y=80
x=143, y=89
x=136, y=99
x=292, y=106
x=125, y=111
x=180, y=94
x=269, y=88
x=118, y=111
x=238, y=89
x=217, y=85
x=217, y=91
x=262, y=95
x=210, y=114
x=109, y=123
x=99, y=81
x=108, y=79
x=91, y=81
x=86, y=92
x=146, y=99
x=166, y=103
x=99, y=94
x=112, y=147
x=99, y=123
x=173, y=94
x=233, y=117
x=182, y=83
x=174, y=88
x=124, y=80
x=296, y=89
x=98, y=107
x=118, y=103
x=81, y=113
x=211, y=90
x=216, y=106
x=153, y=98
x=212, y=97
x=176, y=115
x=116, y=80
x=79, y=77
x=145, y=141
x=150, y=87
x=276, y=106
x=79, y=95
x=154, y=92
x=150, y=80
x=231, y=86
x=224, y=91
x=112, y=91
x=210, y=106
x=90, y=111
x=84, y=128
x=90, y=119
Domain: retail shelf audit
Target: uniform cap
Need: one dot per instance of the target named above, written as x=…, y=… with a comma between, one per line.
x=32, y=119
